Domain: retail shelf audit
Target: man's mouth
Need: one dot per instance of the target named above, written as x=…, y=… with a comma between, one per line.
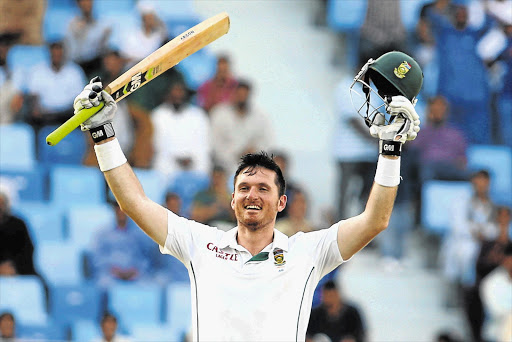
x=252, y=207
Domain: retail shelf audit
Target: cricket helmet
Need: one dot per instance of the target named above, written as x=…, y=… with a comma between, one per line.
x=392, y=74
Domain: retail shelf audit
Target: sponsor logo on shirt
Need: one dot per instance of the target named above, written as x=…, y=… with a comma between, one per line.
x=219, y=253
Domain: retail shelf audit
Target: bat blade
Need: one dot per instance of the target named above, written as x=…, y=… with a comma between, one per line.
x=151, y=67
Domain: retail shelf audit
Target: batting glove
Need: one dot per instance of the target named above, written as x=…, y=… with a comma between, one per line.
x=404, y=125
x=100, y=124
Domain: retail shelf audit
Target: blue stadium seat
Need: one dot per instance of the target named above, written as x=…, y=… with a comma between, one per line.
x=187, y=184
x=29, y=185
x=178, y=25
x=410, y=12
x=85, y=330
x=44, y=221
x=121, y=24
x=56, y=22
x=179, y=306
x=22, y=58
x=84, y=221
x=71, y=185
x=438, y=198
x=24, y=296
x=70, y=150
x=70, y=303
x=59, y=263
x=498, y=161
x=61, y=4
x=197, y=68
x=346, y=15
x=102, y=8
x=17, y=151
x=47, y=332
x=172, y=9
x=151, y=181
x=133, y=303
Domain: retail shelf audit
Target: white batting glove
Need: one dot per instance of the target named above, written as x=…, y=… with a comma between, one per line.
x=90, y=97
x=404, y=125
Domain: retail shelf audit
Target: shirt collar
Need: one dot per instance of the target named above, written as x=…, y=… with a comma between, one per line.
x=229, y=239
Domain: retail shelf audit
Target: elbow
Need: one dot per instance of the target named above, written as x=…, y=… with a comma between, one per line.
x=131, y=206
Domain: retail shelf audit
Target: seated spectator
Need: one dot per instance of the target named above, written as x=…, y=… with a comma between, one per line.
x=496, y=292
x=213, y=206
x=117, y=253
x=7, y=327
x=472, y=223
x=441, y=146
x=181, y=137
x=173, y=202
x=109, y=329
x=220, y=88
x=11, y=99
x=296, y=221
x=87, y=38
x=282, y=160
x=238, y=128
x=53, y=87
x=16, y=247
x=335, y=318
x=140, y=42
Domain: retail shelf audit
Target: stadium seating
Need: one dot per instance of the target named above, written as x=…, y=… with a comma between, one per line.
x=187, y=184
x=133, y=303
x=345, y=16
x=61, y=4
x=22, y=58
x=152, y=182
x=48, y=332
x=198, y=68
x=17, y=152
x=59, y=263
x=178, y=313
x=76, y=185
x=56, y=22
x=410, y=12
x=84, y=221
x=438, y=198
x=103, y=8
x=178, y=25
x=498, y=161
x=85, y=330
x=70, y=303
x=70, y=150
x=29, y=185
x=44, y=221
x=24, y=296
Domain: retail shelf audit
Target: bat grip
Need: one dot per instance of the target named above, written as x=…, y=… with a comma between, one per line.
x=67, y=127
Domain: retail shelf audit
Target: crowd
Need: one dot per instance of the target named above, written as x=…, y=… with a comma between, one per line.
x=200, y=133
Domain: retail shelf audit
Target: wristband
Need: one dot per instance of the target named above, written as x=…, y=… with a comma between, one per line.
x=388, y=172
x=109, y=155
x=390, y=147
x=102, y=132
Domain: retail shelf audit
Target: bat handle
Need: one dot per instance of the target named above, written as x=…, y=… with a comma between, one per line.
x=67, y=127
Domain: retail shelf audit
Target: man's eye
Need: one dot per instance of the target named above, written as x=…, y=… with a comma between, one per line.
x=263, y=189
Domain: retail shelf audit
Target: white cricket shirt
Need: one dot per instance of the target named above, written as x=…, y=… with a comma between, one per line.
x=239, y=297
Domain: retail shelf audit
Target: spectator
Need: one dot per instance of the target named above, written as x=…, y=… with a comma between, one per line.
x=239, y=128
x=117, y=253
x=296, y=221
x=473, y=222
x=53, y=87
x=87, y=38
x=11, y=99
x=213, y=206
x=7, y=327
x=16, y=247
x=441, y=146
x=456, y=45
x=282, y=160
x=173, y=202
x=219, y=89
x=496, y=291
x=181, y=134
x=382, y=30
x=354, y=150
x=109, y=329
x=140, y=42
x=491, y=254
x=339, y=320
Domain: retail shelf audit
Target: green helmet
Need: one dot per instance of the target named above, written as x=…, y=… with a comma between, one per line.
x=399, y=69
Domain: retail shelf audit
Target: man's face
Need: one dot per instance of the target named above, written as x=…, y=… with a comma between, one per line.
x=109, y=327
x=223, y=69
x=241, y=96
x=113, y=63
x=177, y=94
x=85, y=6
x=437, y=111
x=256, y=199
x=6, y=327
x=330, y=298
x=57, y=54
x=481, y=184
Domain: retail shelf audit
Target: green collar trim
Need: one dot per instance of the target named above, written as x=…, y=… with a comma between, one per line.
x=262, y=256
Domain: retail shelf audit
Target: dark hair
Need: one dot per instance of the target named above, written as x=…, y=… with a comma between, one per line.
x=508, y=249
x=483, y=173
x=261, y=159
x=244, y=84
x=170, y=195
x=7, y=314
x=106, y=316
x=329, y=285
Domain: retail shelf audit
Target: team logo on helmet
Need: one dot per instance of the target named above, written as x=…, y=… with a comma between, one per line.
x=279, y=257
x=402, y=69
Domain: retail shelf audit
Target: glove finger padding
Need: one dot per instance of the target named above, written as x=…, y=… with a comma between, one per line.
x=92, y=96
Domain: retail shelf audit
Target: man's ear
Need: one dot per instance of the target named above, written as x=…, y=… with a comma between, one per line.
x=282, y=203
x=233, y=200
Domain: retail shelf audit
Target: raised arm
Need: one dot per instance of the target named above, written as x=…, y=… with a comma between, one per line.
x=121, y=179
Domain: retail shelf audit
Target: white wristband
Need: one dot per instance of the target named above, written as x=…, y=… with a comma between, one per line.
x=109, y=155
x=388, y=171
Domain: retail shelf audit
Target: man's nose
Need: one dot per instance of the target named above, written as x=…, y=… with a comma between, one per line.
x=252, y=193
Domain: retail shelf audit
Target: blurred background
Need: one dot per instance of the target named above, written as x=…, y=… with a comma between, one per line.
x=278, y=81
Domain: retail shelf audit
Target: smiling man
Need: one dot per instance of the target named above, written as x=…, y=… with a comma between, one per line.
x=253, y=283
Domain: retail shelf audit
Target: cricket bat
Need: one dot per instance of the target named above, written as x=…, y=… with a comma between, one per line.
x=150, y=67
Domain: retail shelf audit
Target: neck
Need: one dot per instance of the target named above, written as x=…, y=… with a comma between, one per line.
x=254, y=240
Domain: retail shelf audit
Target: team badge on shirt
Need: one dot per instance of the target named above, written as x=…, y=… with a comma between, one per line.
x=402, y=69
x=279, y=257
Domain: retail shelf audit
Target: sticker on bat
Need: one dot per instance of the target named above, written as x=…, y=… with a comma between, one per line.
x=136, y=82
x=188, y=34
